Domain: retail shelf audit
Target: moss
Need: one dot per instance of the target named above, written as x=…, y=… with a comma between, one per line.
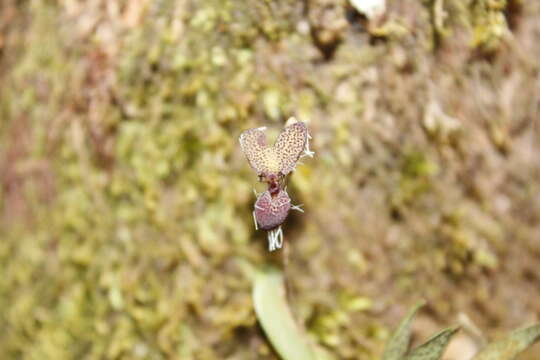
x=126, y=226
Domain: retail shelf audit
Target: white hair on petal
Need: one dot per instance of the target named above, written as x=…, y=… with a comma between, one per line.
x=255, y=221
x=308, y=152
x=275, y=239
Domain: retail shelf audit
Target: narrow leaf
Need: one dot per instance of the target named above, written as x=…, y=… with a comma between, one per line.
x=276, y=319
x=433, y=349
x=511, y=346
x=397, y=345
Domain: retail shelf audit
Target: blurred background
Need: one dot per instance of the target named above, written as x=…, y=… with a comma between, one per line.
x=125, y=200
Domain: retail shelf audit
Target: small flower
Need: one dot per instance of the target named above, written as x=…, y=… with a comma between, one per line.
x=275, y=162
x=272, y=165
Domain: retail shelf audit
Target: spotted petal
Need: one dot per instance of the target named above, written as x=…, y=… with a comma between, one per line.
x=289, y=145
x=281, y=158
x=254, y=145
x=270, y=212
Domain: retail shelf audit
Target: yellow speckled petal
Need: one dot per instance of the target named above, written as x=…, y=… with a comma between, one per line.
x=290, y=144
x=254, y=146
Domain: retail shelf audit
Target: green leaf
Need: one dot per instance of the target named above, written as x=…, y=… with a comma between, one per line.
x=397, y=345
x=511, y=346
x=433, y=349
x=276, y=319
